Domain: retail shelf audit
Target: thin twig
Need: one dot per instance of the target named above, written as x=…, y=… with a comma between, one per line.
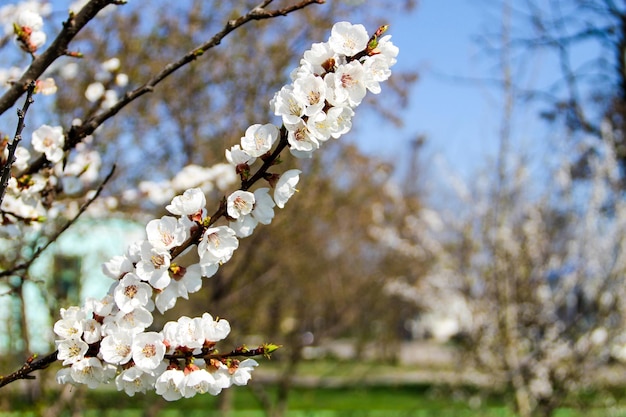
x=77, y=133
x=32, y=364
x=29, y=366
x=21, y=117
x=58, y=48
x=38, y=252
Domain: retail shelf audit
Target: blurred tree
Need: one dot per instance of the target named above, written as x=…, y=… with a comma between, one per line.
x=585, y=40
x=533, y=277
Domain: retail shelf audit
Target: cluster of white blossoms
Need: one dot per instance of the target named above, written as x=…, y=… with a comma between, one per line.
x=111, y=339
x=330, y=82
x=24, y=204
x=32, y=197
x=332, y=79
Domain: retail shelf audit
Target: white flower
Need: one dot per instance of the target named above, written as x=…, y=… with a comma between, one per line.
x=135, y=321
x=64, y=376
x=121, y=80
x=184, y=281
x=321, y=126
x=30, y=19
x=208, y=266
x=49, y=140
x=170, y=384
x=69, y=328
x=199, y=382
x=37, y=39
x=188, y=333
x=21, y=158
x=388, y=49
x=101, y=307
x=47, y=86
x=300, y=138
x=189, y=203
x=157, y=192
x=263, y=211
x=214, y=330
x=131, y=293
x=376, y=71
x=237, y=156
x=133, y=252
x=244, y=226
x=348, y=39
x=116, y=348
x=287, y=106
x=170, y=335
x=94, y=91
x=71, y=350
x=286, y=186
x=334, y=123
x=117, y=266
x=69, y=71
x=310, y=91
x=259, y=139
x=244, y=372
x=84, y=164
x=154, y=266
x=218, y=244
x=91, y=333
x=111, y=65
x=347, y=84
x=148, y=350
x=88, y=371
x=71, y=185
x=133, y=380
x=110, y=99
x=239, y=203
x=166, y=232
x=320, y=55
x=223, y=175
x=343, y=118
x=222, y=377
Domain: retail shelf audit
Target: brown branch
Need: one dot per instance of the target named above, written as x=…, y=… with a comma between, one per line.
x=21, y=116
x=240, y=352
x=26, y=264
x=29, y=367
x=78, y=133
x=245, y=185
x=58, y=48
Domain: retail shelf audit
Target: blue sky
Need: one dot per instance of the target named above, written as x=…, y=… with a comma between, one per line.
x=459, y=117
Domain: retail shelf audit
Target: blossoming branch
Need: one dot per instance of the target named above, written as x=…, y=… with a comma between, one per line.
x=111, y=340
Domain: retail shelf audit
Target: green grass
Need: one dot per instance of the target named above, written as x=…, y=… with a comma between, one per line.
x=350, y=391
x=365, y=401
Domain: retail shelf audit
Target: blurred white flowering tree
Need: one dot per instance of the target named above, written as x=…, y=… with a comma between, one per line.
x=533, y=281
x=529, y=269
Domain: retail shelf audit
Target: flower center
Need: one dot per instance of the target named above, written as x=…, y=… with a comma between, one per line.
x=130, y=291
x=294, y=108
x=74, y=350
x=158, y=261
x=314, y=97
x=166, y=238
x=122, y=349
x=149, y=351
x=347, y=81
